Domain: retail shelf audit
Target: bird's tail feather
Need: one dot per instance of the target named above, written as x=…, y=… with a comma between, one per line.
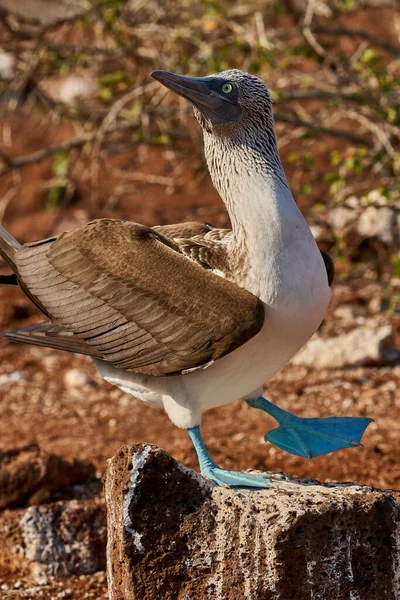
x=51, y=336
x=8, y=248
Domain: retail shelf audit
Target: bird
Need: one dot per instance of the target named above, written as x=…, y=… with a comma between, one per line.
x=188, y=316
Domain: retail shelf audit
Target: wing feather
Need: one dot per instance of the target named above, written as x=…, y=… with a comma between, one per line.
x=129, y=294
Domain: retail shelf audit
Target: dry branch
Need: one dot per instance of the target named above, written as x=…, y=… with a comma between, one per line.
x=34, y=157
x=365, y=35
x=339, y=133
x=325, y=95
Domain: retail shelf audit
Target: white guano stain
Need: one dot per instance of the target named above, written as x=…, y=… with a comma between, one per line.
x=256, y=518
x=138, y=462
x=204, y=483
x=257, y=551
x=223, y=542
x=247, y=515
x=111, y=526
x=349, y=558
x=310, y=572
x=244, y=542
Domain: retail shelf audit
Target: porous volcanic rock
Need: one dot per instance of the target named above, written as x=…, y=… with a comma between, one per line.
x=173, y=535
x=365, y=345
x=58, y=539
x=29, y=475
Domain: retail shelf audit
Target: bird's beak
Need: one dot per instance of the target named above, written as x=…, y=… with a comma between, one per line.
x=203, y=92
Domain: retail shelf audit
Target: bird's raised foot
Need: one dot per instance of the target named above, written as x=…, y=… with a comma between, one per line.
x=225, y=478
x=311, y=437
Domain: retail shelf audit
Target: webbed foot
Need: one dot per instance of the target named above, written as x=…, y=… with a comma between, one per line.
x=223, y=477
x=311, y=437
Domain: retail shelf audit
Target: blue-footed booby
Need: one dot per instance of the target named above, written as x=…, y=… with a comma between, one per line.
x=188, y=317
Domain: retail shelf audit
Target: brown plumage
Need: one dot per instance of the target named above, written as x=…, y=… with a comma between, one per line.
x=119, y=291
x=201, y=243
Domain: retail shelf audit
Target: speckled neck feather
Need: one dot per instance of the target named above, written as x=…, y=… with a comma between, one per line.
x=245, y=167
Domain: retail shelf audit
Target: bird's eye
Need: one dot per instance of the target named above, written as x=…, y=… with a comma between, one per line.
x=227, y=88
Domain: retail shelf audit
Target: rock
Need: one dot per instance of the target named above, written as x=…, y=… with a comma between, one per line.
x=28, y=475
x=77, y=378
x=45, y=12
x=69, y=89
x=382, y=222
x=365, y=221
x=59, y=539
x=342, y=219
x=7, y=378
x=363, y=346
x=7, y=66
x=175, y=536
x=319, y=232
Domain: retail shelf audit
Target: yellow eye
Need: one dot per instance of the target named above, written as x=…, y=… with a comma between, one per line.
x=227, y=88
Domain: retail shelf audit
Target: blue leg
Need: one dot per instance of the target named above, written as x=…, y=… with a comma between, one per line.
x=220, y=476
x=311, y=437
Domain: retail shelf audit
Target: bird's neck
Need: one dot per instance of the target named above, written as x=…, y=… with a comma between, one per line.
x=266, y=222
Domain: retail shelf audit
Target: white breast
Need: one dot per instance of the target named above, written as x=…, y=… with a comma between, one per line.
x=287, y=327
x=286, y=271
x=290, y=321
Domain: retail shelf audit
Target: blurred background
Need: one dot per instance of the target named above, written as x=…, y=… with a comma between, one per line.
x=86, y=133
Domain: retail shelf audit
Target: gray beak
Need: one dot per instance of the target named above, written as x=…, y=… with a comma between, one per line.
x=205, y=93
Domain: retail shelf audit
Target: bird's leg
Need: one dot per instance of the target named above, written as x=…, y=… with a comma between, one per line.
x=313, y=436
x=220, y=476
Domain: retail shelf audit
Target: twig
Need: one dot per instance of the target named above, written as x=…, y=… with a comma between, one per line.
x=310, y=37
x=10, y=194
x=376, y=130
x=106, y=125
x=149, y=178
x=260, y=27
x=355, y=57
x=365, y=35
x=34, y=157
x=4, y=157
x=322, y=95
x=339, y=133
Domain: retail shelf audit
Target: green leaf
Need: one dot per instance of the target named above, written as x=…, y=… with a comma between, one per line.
x=306, y=189
x=105, y=94
x=55, y=197
x=396, y=265
x=61, y=164
x=369, y=55
x=336, y=157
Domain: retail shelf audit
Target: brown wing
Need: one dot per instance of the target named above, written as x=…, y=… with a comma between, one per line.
x=51, y=335
x=184, y=230
x=128, y=293
x=202, y=243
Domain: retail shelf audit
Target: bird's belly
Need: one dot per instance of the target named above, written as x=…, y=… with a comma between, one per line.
x=286, y=329
x=140, y=386
x=287, y=326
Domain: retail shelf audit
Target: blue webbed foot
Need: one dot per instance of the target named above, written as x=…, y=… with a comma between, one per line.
x=219, y=476
x=311, y=437
x=226, y=478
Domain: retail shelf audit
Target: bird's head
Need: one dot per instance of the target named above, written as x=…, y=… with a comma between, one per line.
x=224, y=102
